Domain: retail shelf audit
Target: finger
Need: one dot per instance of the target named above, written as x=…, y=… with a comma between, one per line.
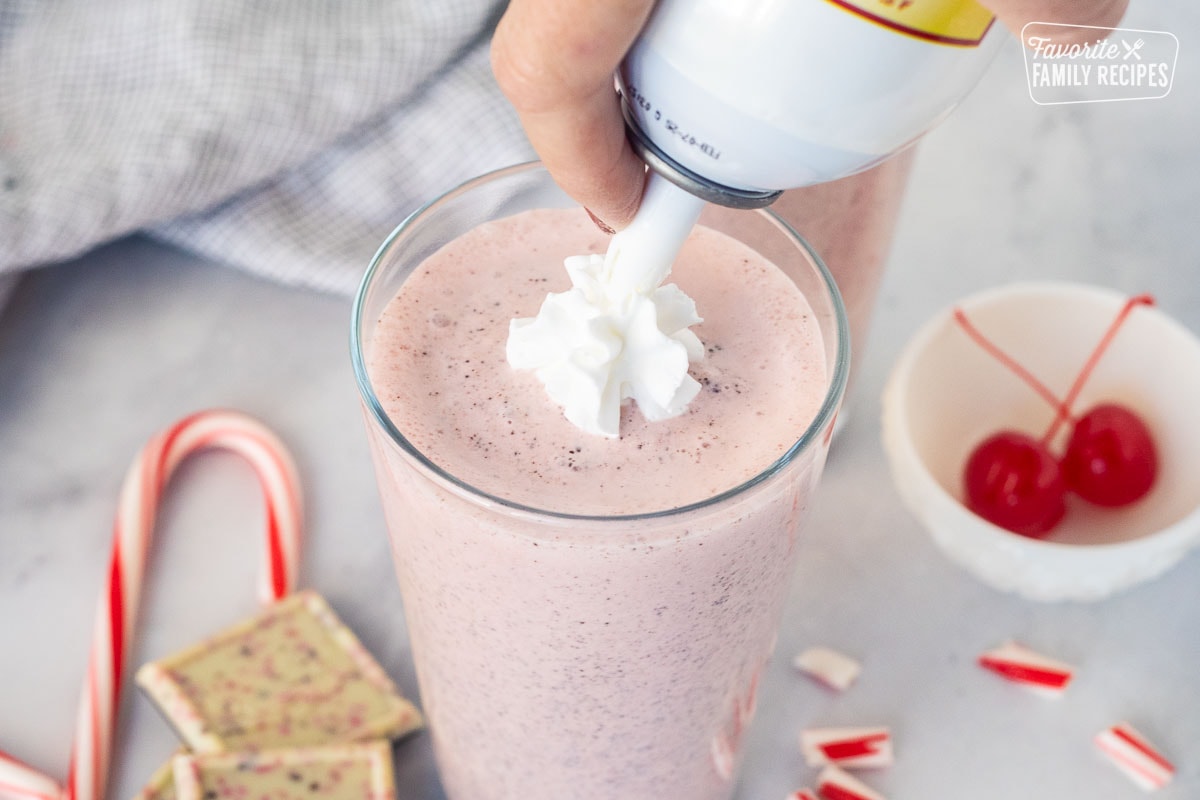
x=1015, y=14
x=555, y=60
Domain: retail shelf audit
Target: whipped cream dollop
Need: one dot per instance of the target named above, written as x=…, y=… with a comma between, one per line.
x=618, y=334
x=598, y=344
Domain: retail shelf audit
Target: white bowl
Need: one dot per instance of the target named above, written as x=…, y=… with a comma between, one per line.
x=946, y=394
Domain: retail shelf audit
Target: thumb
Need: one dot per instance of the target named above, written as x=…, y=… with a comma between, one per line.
x=1015, y=14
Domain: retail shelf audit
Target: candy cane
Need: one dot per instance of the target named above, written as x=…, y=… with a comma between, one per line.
x=19, y=779
x=116, y=615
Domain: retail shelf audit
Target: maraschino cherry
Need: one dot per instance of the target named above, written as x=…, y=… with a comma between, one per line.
x=1111, y=459
x=1014, y=481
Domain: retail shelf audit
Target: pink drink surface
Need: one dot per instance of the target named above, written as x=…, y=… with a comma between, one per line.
x=587, y=659
x=441, y=374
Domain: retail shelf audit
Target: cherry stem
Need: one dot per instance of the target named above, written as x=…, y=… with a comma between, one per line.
x=1010, y=362
x=1093, y=359
x=1062, y=407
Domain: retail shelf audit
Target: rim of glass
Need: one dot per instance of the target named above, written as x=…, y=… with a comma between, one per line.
x=824, y=415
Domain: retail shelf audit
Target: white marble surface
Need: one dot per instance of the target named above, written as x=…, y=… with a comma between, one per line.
x=98, y=353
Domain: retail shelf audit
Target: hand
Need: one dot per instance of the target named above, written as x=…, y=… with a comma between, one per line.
x=555, y=59
x=1015, y=14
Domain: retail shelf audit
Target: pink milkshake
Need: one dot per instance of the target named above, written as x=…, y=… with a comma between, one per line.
x=589, y=616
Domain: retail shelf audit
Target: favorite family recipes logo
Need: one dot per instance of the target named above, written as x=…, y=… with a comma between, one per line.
x=1082, y=64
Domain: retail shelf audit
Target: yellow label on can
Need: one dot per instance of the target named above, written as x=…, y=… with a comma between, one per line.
x=955, y=22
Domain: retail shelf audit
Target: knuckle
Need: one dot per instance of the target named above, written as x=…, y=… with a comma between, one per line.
x=521, y=73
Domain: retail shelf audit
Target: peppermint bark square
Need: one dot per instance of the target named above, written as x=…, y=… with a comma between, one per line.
x=330, y=772
x=161, y=785
x=292, y=676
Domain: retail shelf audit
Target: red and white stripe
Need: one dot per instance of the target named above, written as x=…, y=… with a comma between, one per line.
x=802, y=794
x=1021, y=665
x=18, y=779
x=116, y=615
x=836, y=784
x=835, y=670
x=847, y=747
x=1135, y=756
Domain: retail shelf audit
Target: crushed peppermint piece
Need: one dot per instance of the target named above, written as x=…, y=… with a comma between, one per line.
x=835, y=783
x=1019, y=664
x=847, y=747
x=833, y=669
x=1135, y=756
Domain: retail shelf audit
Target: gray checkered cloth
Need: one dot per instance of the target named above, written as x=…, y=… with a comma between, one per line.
x=285, y=137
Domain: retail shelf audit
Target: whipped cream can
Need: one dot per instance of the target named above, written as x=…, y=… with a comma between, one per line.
x=736, y=101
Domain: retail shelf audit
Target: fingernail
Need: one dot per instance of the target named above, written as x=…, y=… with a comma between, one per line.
x=601, y=224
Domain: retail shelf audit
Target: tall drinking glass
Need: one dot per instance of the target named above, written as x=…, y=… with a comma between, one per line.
x=571, y=656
